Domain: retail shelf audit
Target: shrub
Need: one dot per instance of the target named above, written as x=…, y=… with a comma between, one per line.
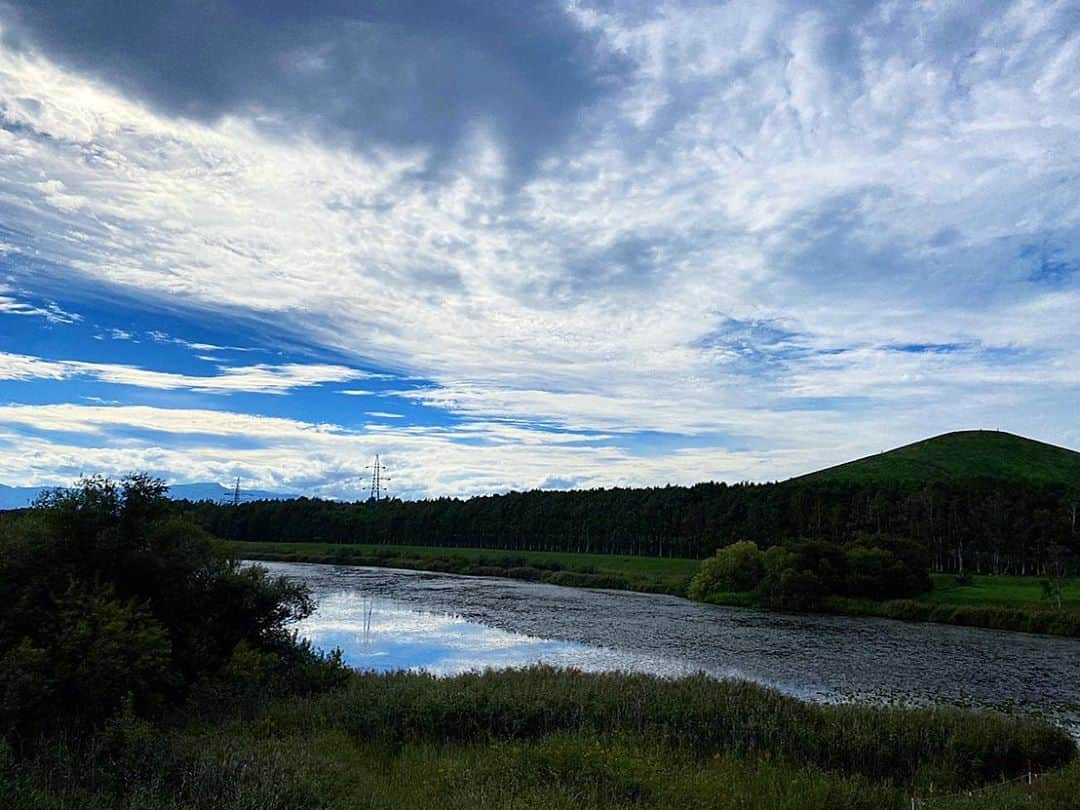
x=106, y=594
x=874, y=573
x=734, y=568
x=906, y=610
x=575, y=579
x=524, y=572
x=794, y=590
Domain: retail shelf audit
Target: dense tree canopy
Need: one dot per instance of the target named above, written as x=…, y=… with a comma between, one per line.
x=978, y=525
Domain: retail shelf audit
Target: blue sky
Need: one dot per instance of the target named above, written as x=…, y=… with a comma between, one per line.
x=524, y=245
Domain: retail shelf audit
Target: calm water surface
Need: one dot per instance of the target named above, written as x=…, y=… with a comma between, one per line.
x=387, y=619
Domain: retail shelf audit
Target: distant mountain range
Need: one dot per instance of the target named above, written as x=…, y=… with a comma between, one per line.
x=18, y=497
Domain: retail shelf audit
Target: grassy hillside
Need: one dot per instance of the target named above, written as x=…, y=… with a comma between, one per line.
x=962, y=455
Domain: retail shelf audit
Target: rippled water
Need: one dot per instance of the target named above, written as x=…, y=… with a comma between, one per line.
x=387, y=619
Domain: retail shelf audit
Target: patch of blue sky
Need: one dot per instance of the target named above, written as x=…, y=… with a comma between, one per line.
x=929, y=348
x=123, y=332
x=57, y=392
x=760, y=347
x=651, y=443
x=734, y=332
x=821, y=403
x=1013, y=355
x=118, y=326
x=1048, y=265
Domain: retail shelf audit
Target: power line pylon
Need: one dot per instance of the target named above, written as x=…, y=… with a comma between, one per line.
x=377, y=489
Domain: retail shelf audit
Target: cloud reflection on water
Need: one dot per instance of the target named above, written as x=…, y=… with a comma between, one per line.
x=394, y=637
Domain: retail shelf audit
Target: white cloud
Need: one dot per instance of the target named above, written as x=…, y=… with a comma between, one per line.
x=862, y=180
x=10, y=305
x=261, y=378
x=295, y=456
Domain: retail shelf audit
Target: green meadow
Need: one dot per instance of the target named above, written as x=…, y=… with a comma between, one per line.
x=1005, y=591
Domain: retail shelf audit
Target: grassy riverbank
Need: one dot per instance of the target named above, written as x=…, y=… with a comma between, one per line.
x=1012, y=592
x=669, y=575
x=1003, y=603
x=543, y=738
x=998, y=603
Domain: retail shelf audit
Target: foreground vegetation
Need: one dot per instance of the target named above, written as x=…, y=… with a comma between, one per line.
x=142, y=667
x=539, y=738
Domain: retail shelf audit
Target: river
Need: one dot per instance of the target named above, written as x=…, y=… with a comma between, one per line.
x=386, y=619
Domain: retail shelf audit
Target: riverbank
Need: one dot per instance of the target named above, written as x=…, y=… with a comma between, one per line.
x=990, y=616
x=995, y=602
x=999, y=603
x=667, y=575
x=546, y=738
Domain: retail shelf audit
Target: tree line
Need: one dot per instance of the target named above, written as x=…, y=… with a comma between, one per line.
x=980, y=525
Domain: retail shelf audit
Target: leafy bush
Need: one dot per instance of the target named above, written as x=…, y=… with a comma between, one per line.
x=790, y=589
x=107, y=595
x=525, y=572
x=801, y=576
x=576, y=579
x=737, y=567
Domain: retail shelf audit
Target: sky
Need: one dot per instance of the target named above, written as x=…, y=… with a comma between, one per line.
x=530, y=245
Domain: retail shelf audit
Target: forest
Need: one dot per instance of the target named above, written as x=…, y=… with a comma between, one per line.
x=981, y=525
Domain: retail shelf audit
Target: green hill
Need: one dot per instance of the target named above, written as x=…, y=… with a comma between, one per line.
x=962, y=455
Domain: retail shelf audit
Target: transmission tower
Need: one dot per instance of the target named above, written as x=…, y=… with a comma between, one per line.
x=377, y=489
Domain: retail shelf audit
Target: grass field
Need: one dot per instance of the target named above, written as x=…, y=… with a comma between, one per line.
x=649, y=574
x=1014, y=592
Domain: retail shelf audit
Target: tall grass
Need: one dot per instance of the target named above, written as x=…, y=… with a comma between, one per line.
x=538, y=738
x=996, y=617
x=896, y=746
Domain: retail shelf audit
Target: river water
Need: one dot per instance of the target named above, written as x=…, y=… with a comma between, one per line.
x=388, y=619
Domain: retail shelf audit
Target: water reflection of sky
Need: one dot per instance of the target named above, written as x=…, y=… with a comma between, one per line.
x=386, y=619
x=379, y=634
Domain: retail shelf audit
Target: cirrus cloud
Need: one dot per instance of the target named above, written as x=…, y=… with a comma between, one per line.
x=753, y=225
